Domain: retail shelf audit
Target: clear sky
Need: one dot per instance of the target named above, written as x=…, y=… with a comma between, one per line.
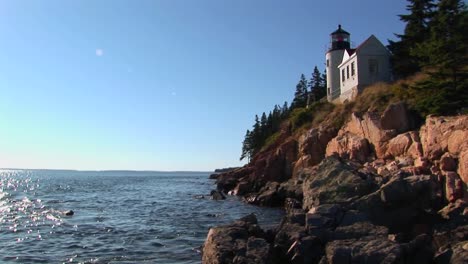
x=158, y=84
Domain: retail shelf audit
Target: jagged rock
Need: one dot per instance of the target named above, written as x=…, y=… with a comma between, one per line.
x=402, y=202
x=302, y=163
x=69, y=213
x=291, y=189
x=295, y=216
x=453, y=186
x=444, y=134
x=242, y=188
x=379, y=129
x=314, y=142
x=325, y=215
x=406, y=144
x=228, y=181
x=268, y=195
x=447, y=163
x=334, y=182
x=358, y=230
x=349, y=146
x=377, y=250
x=291, y=203
x=396, y=117
x=214, y=175
x=459, y=253
x=306, y=250
x=453, y=210
x=353, y=216
x=217, y=195
x=240, y=242
x=288, y=234
x=419, y=250
x=451, y=238
x=463, y=166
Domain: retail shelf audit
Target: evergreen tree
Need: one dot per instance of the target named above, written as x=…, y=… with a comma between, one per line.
x=444, y=57
x=300, y=96
x=285, y=110
x=444, y=53
x=263, y=128
x=246, y=146
x=404, y=62
x=317, y=85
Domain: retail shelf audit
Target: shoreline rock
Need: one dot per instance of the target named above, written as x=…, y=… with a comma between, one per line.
x=376, y=190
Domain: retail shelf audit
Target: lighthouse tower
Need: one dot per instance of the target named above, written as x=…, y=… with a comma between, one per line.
x=340, y=42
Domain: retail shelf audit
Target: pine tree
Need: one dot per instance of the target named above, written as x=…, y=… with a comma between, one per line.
x=317, y=85
x=444, y=57
x=444, y=53
x=246, y=146
x=300, y=96
x=404, y=61
x=285, y=110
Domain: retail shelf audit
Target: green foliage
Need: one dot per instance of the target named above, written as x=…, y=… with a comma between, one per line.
x=299, y=117
x=433, y=97
x=435, y=39
x=301, y=94
x=263, y=129
x=404, y=62
x=271, y=139
x=375, y=98
x=310, y=116
x=317, y=86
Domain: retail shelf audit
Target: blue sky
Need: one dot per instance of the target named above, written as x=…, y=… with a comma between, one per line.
x=161, y=84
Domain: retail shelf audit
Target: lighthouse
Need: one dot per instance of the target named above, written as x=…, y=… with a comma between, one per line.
x=340, y=42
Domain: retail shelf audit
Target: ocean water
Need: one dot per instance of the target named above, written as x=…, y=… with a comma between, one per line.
x=120, y=216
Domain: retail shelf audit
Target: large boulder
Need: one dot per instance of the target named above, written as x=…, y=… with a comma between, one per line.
x=303, y=162
x=406, y=144
x=378, y=249
x=442, y=134
x=292, y=244
x=377, y=128
x=229, y=180
x=334, y=182
x=349, y=146
x=375, y=250
x=267, y=196
x=242, y=242
x=402, y=203
x=314, y=142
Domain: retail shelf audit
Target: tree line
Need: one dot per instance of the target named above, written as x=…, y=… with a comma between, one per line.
x=307, y=92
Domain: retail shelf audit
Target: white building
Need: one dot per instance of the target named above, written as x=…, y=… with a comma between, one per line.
x=349, y=71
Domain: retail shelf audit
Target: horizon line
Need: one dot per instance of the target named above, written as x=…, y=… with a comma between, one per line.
x=111, y=170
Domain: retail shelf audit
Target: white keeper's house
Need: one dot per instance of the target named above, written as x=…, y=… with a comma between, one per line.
x=349, y=70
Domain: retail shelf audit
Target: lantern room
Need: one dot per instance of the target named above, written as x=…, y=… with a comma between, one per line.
x=340, y=39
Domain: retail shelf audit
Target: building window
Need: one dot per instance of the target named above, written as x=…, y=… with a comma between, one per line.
x=347, y=72
x=329, y=92
x=353, y=69
x=328, y=63
x=342, y=75
x=373, y=66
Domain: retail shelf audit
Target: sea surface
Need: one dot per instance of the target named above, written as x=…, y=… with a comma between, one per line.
x=120, y=216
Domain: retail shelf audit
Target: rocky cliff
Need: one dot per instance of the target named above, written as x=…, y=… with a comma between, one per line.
x=377, y=190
